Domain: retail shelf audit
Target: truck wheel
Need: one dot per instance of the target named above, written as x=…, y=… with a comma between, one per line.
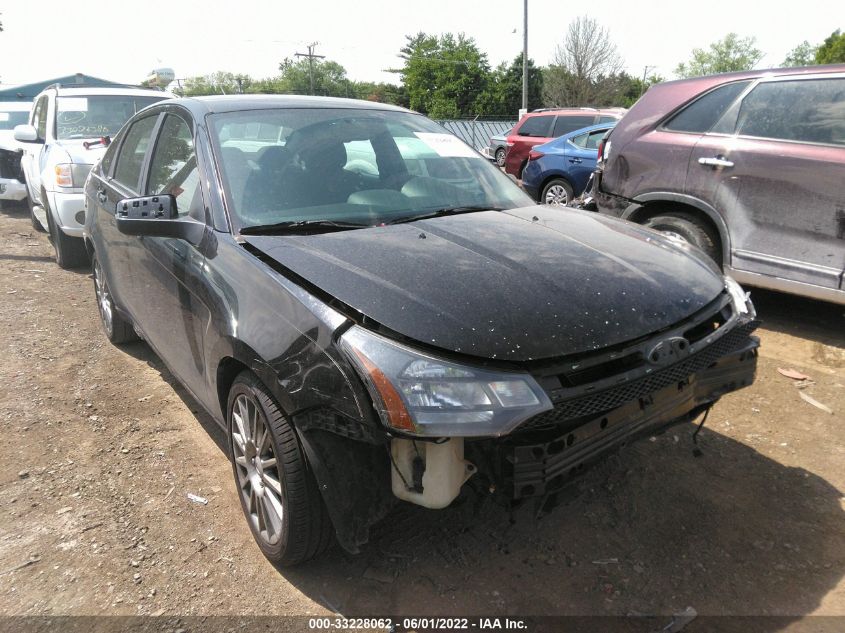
x=70, y=251
x=278, y=493
x=690, y=228
x=118, y=329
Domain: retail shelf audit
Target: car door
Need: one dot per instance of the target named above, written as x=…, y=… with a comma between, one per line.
x=34, y=154
x=581, y=152
x=119, y=177
x=781, y=170
x=169, y=279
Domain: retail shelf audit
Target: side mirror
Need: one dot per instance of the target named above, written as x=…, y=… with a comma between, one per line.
x=26, y=134
x=156, y=216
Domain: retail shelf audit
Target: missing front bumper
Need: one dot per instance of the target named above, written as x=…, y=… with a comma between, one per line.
x=541, y=462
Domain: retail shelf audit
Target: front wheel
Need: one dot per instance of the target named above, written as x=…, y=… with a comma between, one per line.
x=500, y=157
x=278, y=493
x=557, y=192
x=690, y=229
x=70, y=251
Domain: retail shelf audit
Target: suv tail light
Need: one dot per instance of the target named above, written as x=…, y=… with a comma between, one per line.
x=533, y=155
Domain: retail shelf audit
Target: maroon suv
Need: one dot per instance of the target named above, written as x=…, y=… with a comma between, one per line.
x=541, y=126
x=749, y=167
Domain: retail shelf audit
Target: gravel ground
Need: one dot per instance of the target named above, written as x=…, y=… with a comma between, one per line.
x=102, y=448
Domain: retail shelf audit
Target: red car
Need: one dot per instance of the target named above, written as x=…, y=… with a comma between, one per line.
x=542, y=126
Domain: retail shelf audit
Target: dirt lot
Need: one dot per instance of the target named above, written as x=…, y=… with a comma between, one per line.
x=101, y=448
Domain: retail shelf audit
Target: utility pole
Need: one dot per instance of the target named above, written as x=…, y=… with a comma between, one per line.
x=645, y=73
x=525, y=56
x=311, y=56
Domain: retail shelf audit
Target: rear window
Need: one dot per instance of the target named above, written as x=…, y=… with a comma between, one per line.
x=812, y=111
x=567, y=124
x=537, y=126
x=702, y=114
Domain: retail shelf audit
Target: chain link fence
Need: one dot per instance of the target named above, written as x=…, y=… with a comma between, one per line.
x=476, y=133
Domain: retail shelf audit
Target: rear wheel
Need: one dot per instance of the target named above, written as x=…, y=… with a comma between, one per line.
x=70, y=251
x=278, y=493
x=500, y=157
x=691, y=229
x=557, y=192
x=117, y=329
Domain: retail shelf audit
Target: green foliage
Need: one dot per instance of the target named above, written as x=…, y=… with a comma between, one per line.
x=732, y=53
x=505, y=97
x=802, y=55
x=445, y=76
x=215, y=84
x=329, y=78
x=832, y=50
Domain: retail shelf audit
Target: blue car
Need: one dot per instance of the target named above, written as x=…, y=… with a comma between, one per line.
x=558, y=171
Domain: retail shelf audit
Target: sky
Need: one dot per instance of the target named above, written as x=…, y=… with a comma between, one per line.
x=124, y=41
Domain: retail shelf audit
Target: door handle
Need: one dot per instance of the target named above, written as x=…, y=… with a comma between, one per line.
x=574, y=160
x=715, y=161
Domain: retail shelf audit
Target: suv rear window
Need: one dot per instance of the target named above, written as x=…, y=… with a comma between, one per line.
x=537, y=126
x=702, y=114
x=811, y=110
x=566, y=124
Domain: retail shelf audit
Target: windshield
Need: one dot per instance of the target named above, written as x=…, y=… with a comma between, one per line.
x=350, y=167
x=95, y=116
x=9, y=119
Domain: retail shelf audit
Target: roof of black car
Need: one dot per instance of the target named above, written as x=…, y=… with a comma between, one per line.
x=232, y=103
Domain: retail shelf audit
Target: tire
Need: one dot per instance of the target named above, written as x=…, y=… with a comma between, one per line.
x=70, y=251
x=688, y=227
x=557, y=192
x=118, y=329
x=500, y=157
x=280, y=499
x=35, y=223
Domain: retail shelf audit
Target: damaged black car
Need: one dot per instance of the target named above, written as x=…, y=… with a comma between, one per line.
x=374, y=313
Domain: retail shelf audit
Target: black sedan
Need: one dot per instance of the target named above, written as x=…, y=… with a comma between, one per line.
x=374, y=312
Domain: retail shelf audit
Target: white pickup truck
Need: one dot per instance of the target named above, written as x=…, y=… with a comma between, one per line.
x=66, y=135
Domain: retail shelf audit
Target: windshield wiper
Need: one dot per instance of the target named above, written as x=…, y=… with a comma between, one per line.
x=445, y=211
x=300, y=226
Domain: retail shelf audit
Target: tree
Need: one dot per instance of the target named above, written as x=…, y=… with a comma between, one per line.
x=329, y=78
x=445, y=76
x=802, y=55
x=506, y=91
x=216, y=84
x=586, y=55
x=729, y=54
x=832, y=50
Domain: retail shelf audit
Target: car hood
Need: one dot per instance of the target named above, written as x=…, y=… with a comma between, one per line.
x=78, y=154
x=518, y=285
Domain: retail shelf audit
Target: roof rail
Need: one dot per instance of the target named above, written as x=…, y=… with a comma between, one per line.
x=566, y=108
x=85, y=85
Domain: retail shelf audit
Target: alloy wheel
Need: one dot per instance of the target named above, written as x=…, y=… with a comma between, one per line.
x=556, y=194
x=257, y=470
x=104, y=302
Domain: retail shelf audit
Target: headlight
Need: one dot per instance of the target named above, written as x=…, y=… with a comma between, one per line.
x=742, y=304
x=64, y=175
x=71, y=174
x=422, y=395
